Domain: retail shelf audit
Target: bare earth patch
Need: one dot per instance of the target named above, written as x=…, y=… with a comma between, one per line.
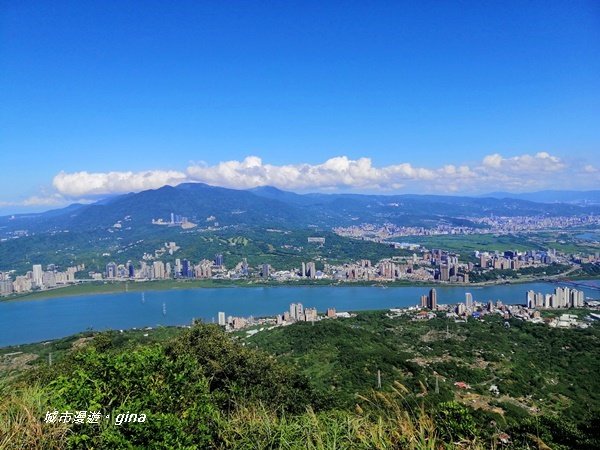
x=12, y=362
x=434, y=335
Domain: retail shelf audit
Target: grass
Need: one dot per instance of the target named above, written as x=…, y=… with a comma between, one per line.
x=21, y=424
x=382, y=423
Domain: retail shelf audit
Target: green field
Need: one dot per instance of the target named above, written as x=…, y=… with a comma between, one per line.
x=467, y=244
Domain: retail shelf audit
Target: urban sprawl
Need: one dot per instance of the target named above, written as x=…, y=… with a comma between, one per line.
x=422, y=266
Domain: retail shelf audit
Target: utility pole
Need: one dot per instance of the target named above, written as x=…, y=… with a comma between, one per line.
x=437, y=385
x=378, y=379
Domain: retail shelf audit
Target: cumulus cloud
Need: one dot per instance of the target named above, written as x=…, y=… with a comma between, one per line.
x=493, y=172
x=541, y=161
x=98, y=183
x=338, y=172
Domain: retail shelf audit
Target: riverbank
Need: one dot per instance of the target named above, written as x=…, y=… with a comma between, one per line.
x=115, y=287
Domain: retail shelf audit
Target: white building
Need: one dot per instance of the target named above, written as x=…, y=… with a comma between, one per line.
x=37, y=277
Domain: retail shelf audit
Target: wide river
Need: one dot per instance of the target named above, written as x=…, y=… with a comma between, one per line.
x=25, y=321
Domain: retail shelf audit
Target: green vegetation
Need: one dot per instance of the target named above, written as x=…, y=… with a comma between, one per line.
x=201, y=388
x=541, y=373
x=282, y=249
x=592, y=270
x=467, y=244
x=529, y=273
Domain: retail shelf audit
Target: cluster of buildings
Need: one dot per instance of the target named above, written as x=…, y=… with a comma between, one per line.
x=491, y=224
x=513, y=260
x=204, y=269
x=375, y=232
x=159, y=270
x=296, y=313
x=423, y=265
x=563, y=297
x=434, y=265
x=38, y=278
x=176, y=220
x=519, y=224
x=429, y=301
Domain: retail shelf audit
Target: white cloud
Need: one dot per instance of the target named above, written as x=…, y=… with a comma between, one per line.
x=493, y=172
x=86, y=183
x=338, y=172
x=48, y=200
x=541, y=161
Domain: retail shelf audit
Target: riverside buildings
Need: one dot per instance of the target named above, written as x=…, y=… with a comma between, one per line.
x=563, y=297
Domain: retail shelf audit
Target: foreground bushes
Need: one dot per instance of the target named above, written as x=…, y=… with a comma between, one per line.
x=202, y=390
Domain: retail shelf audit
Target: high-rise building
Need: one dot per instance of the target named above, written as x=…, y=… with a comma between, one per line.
x=49, y=279
x=469, y=301
x=424, y=301
x=222, y=318
x=580, y=299
x=432, y=300
x=6, y=287
x=111, y=270
x=265, y=272
x=130, y=269
x=311, y=270
x=539, y=300
x=219, y=260
x=310, y=314
x=37, y=276
x=530, y=299
x=444, y=273
x=297, y=311
x=159, y=269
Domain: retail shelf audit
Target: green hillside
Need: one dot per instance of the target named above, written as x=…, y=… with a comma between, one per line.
x=311, y=386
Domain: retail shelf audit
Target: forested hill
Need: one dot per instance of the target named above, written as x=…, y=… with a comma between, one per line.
x=270, y=207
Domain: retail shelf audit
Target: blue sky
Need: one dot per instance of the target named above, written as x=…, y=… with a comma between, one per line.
x=132, y=87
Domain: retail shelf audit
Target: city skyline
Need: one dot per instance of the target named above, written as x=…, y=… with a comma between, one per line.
x=395, y=98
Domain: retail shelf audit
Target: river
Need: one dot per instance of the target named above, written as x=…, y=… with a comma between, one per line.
x=26, y=321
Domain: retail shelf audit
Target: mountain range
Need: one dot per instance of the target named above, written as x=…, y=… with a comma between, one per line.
x=269, y=207
x=550, y=196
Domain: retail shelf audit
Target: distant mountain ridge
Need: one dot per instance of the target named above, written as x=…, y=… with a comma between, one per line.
x=553, y=196
x=269, y=207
